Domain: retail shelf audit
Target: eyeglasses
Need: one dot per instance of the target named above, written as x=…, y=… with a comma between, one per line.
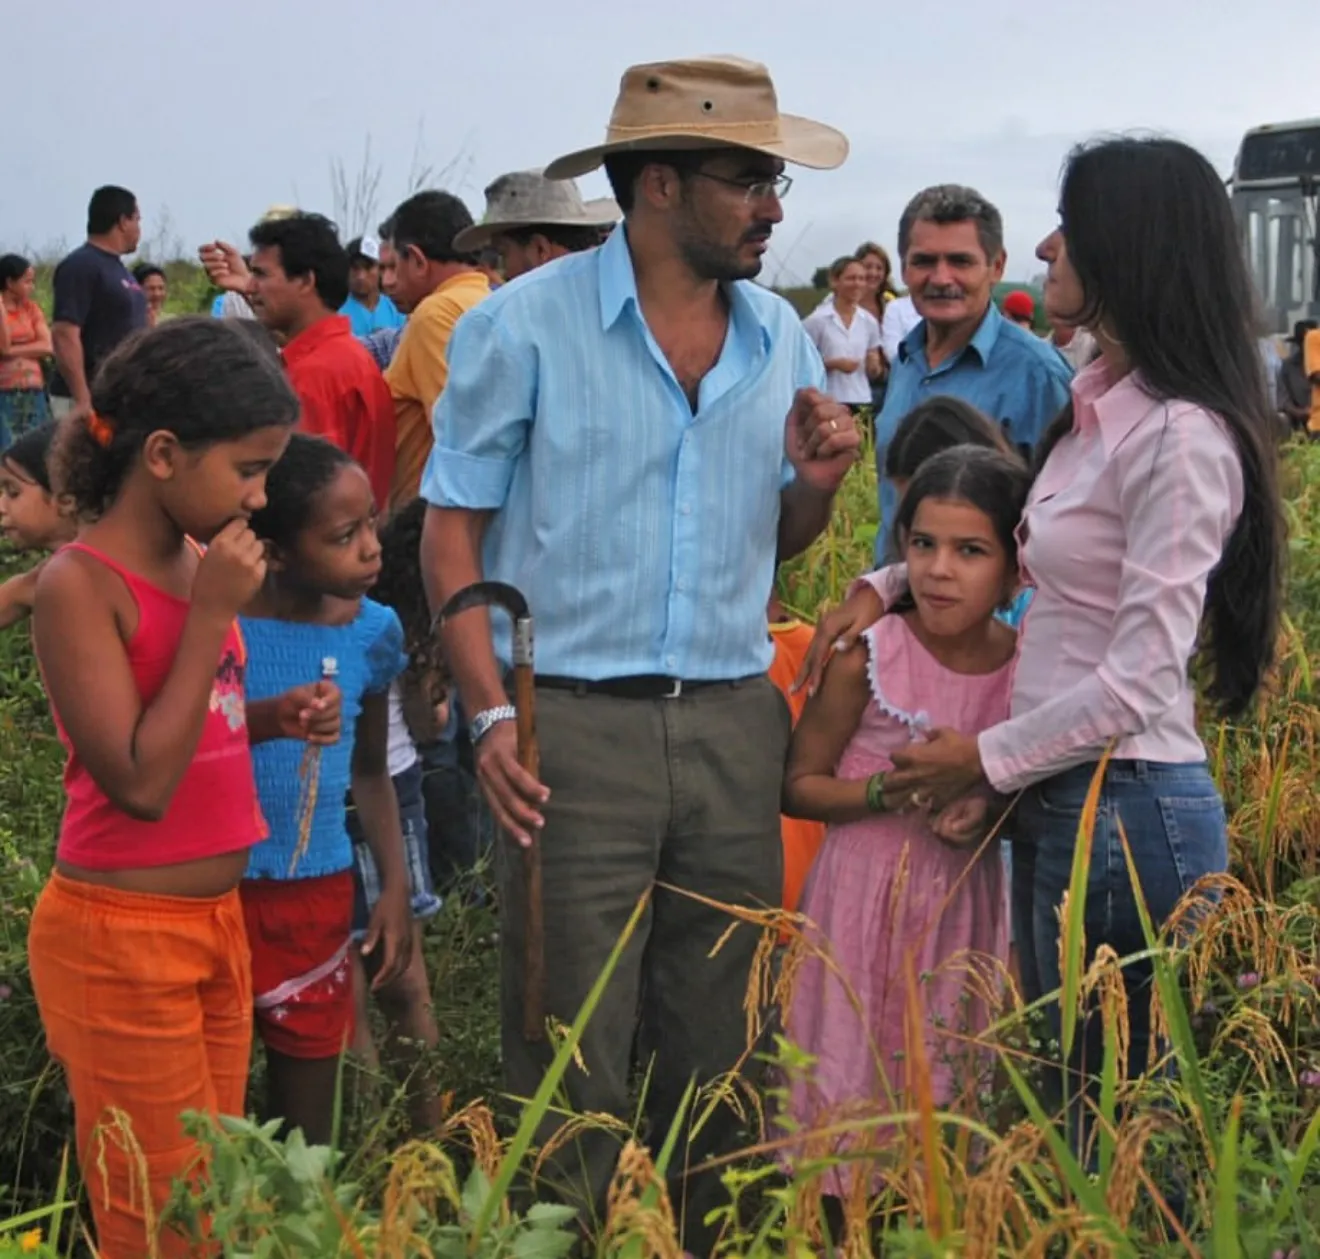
x=759, y=190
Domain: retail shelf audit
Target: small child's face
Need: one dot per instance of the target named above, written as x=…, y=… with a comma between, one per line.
x=204, y=489
x=958, y=570
x=30, y=518
x=337, y=552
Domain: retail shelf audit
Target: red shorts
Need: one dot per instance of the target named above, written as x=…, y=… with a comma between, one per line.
x=302, y=988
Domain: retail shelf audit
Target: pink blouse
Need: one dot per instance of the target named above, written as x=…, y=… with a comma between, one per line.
x=1121, y=531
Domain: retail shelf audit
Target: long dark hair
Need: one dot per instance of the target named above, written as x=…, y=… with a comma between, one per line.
x=1150, y=233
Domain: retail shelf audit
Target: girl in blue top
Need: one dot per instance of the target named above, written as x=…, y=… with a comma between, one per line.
x=319, y=526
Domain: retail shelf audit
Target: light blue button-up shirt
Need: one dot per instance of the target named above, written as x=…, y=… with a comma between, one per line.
x=642, y=535
x=1014, y=377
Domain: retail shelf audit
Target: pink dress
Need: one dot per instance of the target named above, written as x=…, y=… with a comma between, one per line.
x=883, y=887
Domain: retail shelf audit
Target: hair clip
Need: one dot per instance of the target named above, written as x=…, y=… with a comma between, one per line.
x=102, y=431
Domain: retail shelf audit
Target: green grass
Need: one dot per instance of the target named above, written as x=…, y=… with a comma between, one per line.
x=1239, y=1122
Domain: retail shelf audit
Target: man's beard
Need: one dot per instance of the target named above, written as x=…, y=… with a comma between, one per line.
x=709, y=260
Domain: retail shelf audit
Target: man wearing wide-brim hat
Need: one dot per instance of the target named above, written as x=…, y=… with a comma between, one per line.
x=531, y=220
x=633, y=437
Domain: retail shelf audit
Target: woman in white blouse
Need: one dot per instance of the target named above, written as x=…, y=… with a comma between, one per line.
x=1153, y=537
x=847, y=336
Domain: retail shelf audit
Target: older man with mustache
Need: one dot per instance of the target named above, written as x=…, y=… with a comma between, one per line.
x=951, y=242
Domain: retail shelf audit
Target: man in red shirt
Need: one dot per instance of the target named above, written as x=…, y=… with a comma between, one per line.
x=299, y=280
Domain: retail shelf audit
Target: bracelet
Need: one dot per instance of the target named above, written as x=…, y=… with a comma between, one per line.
x=481, y=724
x=875, y=793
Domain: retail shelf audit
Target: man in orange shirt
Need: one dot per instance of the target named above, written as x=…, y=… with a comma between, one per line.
x=299, y=280
x=435, y=283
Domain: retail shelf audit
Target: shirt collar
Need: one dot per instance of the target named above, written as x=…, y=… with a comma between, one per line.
x=1111, y=407
x=473, y=276
x=982, y=342
x=618, y=290
x=320, y=333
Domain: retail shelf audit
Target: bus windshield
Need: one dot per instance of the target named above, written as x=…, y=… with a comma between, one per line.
x=1274, y=191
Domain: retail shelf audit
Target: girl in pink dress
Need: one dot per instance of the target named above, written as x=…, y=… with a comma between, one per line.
x=891, y=882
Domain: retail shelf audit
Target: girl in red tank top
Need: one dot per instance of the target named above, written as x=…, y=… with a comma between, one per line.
x=137, y=950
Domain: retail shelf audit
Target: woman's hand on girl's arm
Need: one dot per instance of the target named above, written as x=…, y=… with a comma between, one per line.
x=838, y=631
x=936, y=771
x=391, y=924
x=310, y=713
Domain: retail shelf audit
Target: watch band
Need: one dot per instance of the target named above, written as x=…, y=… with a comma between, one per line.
x=481, y=724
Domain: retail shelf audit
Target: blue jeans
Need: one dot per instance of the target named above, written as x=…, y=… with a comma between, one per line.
x=1174, y=821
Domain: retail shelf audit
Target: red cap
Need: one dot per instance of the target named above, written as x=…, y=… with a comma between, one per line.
x=1020, y=304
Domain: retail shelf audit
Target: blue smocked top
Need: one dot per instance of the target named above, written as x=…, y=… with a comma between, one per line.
x=368, y=653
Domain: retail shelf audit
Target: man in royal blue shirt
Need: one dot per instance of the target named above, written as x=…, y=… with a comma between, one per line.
x=951, y=242
x=368, y=309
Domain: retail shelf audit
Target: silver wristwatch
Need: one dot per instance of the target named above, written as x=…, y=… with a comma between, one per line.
x=481, y=724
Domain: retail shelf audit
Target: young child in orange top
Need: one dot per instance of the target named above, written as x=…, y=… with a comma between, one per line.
x=802, y=838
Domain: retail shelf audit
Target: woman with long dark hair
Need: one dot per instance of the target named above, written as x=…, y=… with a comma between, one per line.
x=1153, y=536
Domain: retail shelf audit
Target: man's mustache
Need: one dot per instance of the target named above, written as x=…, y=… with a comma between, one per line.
x=938, y=291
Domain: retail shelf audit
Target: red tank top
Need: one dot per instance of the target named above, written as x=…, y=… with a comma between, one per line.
x=214, y=809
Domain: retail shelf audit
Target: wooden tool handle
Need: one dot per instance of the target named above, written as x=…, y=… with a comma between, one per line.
x=529, y=757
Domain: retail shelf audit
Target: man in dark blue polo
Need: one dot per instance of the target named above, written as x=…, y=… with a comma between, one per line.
x=951, y=242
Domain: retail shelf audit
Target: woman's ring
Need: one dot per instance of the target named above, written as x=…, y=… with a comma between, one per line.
x=834, y=426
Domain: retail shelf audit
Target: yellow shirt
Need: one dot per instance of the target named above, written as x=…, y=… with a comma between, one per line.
x=418, y=372
x=1311, y=364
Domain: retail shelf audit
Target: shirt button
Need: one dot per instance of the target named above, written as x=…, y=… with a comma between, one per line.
x=686, y=509
x=671, y=661
x=681, y=584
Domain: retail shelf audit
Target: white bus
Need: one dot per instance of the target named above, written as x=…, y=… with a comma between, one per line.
x=1275, y=190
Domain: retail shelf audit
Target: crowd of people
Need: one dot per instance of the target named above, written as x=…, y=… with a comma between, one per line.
x=253, y=519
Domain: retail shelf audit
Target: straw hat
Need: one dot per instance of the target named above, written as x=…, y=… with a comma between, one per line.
x=526, y=198
x=707, y=102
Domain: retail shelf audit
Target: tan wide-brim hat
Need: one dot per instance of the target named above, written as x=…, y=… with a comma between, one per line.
x=708, y=102
x=526, y=198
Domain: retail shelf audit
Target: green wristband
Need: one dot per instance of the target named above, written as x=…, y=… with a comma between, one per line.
x=875, y=793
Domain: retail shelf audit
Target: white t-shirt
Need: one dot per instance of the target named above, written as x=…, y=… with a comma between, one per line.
x=900, y=318
x=400, y=750
x=835, y=339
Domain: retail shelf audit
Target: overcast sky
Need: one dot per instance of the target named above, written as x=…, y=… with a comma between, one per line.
x=212, y=111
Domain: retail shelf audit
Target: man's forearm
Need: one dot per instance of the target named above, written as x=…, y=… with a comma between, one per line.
x=451, y=560
x=803, y=515
x=67, y=341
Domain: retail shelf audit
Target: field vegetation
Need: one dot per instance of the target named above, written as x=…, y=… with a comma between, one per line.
x=1211, y=1153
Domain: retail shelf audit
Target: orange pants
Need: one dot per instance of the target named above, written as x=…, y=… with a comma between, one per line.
x=147, y=1004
